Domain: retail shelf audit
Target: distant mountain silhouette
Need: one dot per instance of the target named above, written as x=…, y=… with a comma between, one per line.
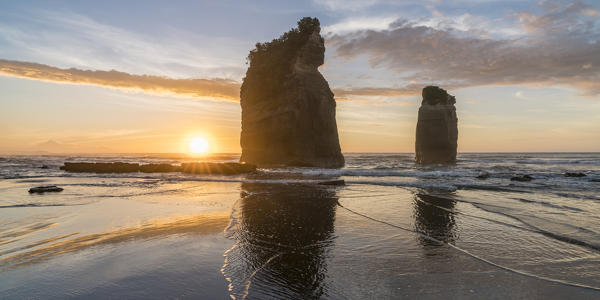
x=52, y=146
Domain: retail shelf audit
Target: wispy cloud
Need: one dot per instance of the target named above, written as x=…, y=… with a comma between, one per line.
x=521, y=95
x=352, y=5
x=219, y=89
x=558, y=44
x=348, y=93
x=572, y=18
x=354, y=24
x=67, y=39
x=223, y=89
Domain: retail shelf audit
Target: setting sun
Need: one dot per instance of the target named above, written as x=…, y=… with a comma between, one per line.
x=199, y=145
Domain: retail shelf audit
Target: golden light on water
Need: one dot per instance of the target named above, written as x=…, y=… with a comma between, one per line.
x=199, y=145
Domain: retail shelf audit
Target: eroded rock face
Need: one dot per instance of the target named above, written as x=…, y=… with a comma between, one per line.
x=437, y=127
x=288, y=109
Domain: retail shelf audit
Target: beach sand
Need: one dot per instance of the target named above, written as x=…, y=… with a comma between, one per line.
x=395, y=230
x=152, y=238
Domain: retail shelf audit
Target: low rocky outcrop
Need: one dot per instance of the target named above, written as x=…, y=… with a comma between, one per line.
x=217, y=168
x=523, y=178
x=288, y=109
x=45, y=189
x=192, y=168
x=333, y=182
x=574, y=174
x=483, y=175
x=437, y=128
x=159, y=168
x=114, y=167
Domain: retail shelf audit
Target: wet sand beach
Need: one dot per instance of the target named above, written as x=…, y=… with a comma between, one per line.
x=280, y=234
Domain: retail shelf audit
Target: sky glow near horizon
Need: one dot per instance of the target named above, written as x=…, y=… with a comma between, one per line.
x=526, y=75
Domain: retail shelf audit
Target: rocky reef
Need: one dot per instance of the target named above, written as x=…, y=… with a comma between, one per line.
x=191, y=168
x=217, y=168
x=437, y=127
x=523, y=178
x=288, y=109
x=111, y=167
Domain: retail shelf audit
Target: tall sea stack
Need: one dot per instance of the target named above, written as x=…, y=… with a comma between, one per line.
x=288, y=110
x=437, y=127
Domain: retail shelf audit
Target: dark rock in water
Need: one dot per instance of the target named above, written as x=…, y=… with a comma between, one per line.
x=44, y=167
x=575, y=174
x=159, y=168
x=437, y=127
x=115, y=167
x=483, y=175
x=333, y=182
x=288, y=109
x=44, y=189
x=595, y=180
x=521, y=178
x=217, y=168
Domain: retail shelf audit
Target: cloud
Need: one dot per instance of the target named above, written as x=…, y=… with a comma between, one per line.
x=354, y=24
x=347, y=93
x=558, y=20
x=557, y=44
x=521, y=95
x=223, y=89
x=351, y=5
x=66, y=39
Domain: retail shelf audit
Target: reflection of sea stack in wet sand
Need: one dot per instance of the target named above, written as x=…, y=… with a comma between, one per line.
x=288, y=110
x=281, y=232
x=437, y=127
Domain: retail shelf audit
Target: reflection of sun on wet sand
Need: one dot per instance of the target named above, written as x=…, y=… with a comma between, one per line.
x=202, y=224
x=7, y=237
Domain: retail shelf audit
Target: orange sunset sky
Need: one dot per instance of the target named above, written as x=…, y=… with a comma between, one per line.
x=94, y=77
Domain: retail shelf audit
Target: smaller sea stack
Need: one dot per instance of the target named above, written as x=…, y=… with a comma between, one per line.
x=437, y=128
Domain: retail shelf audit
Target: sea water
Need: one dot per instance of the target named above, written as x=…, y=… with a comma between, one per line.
x=396, y=229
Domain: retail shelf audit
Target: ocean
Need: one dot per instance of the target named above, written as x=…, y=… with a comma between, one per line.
x=394, y=230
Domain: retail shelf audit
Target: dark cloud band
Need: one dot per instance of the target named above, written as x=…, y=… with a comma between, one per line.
x=561, y=47
x=222, y=89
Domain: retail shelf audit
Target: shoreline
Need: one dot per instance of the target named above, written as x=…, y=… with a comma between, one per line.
x=157, y=235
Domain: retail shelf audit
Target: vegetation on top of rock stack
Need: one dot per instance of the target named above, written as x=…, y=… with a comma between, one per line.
x=270, y=62
x=433, y=95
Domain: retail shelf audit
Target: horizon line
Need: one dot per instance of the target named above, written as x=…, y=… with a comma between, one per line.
x=239, y=153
